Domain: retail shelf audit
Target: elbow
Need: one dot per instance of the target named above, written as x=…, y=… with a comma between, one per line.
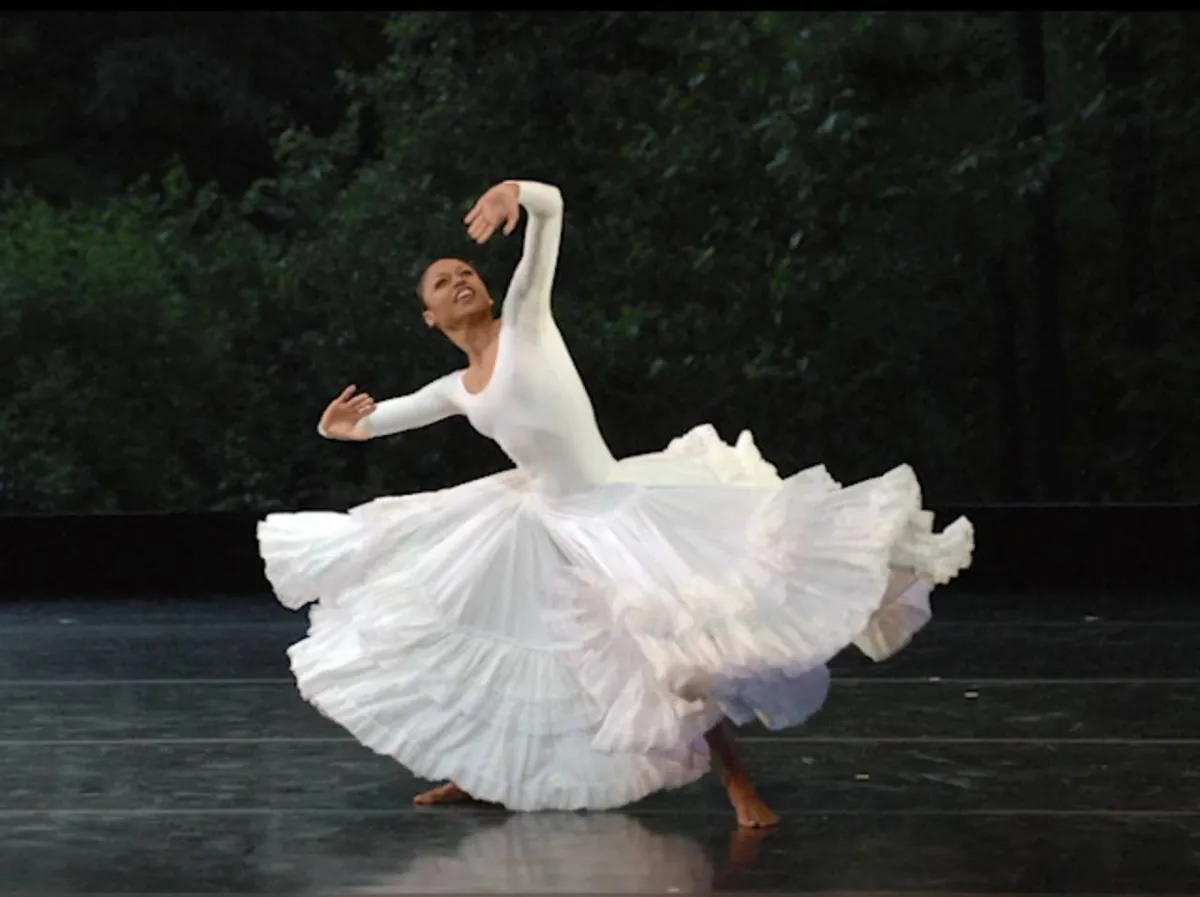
x=556, y=200
x=543, y=200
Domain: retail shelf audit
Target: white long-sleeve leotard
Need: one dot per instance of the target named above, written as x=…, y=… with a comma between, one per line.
x=535, y=407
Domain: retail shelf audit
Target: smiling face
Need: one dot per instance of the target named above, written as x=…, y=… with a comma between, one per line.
x=453, y=294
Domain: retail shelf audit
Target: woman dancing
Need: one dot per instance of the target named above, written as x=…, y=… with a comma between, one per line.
x=579, y=631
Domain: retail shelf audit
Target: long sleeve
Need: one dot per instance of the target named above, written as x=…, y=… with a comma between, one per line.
x=528, y=297
x=428, y=405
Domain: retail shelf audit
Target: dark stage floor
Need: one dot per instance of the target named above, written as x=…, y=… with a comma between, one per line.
x=162, y=748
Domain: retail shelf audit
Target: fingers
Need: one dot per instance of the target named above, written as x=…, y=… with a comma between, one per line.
x=514, y=218
x=358, y=403
x=491, y=213
x=481, y=229
x=363, y=405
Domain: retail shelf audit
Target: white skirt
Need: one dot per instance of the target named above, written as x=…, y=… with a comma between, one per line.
x=569, y=653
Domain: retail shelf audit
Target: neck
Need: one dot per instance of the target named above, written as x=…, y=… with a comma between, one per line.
x=474, y=337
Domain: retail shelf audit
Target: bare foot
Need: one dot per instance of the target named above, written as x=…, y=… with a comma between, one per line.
x=442, y=794
x=752, y=811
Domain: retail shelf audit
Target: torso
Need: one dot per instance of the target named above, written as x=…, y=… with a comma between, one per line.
x=535, y=407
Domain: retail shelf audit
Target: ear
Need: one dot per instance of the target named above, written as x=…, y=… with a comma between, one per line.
x=428, y=317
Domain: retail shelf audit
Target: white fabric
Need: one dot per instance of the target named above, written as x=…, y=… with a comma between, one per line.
x=560, y=635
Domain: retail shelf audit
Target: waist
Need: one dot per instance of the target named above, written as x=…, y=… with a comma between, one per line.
x=561, y=473
x=564, y=479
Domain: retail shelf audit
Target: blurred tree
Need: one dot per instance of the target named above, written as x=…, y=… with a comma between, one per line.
x=1041, y=190
x=963, y=240
x=93, y=99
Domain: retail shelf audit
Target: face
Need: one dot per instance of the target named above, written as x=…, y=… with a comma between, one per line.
x=453, y=294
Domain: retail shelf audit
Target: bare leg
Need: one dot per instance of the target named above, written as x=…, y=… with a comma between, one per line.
x=900, y=580
x=752, y=811
x=442, y=794
x=903, y=611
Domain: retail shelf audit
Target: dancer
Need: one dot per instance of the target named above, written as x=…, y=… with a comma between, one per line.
x=579, y=631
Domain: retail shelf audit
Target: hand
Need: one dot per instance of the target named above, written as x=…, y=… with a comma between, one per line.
x=341, y=418
x=500, y=205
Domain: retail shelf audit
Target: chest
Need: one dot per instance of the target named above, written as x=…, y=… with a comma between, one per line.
x=511, y=403
x=478, y=377
x=530, y=389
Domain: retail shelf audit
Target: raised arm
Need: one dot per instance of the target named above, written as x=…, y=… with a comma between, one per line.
x=528, y=297
x=428, y=405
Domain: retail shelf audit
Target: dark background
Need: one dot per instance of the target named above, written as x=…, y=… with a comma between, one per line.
x=962, y=240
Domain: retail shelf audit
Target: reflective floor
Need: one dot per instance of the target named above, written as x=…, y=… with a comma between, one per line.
x=1047, y=745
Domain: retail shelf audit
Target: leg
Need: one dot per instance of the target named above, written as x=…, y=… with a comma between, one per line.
x=752, y=811
x=902, y=613
x=442, y=794
x=901, y=579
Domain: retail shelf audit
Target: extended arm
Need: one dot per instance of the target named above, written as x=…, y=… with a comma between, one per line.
x=428, y=405
x=528, y=297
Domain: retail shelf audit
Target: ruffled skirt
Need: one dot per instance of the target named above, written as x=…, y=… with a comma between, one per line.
x=569, y=653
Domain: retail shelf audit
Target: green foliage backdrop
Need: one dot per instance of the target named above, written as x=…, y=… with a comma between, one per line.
x=962, y=240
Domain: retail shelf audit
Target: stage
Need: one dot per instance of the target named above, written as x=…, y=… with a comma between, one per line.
x=1024, y=744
